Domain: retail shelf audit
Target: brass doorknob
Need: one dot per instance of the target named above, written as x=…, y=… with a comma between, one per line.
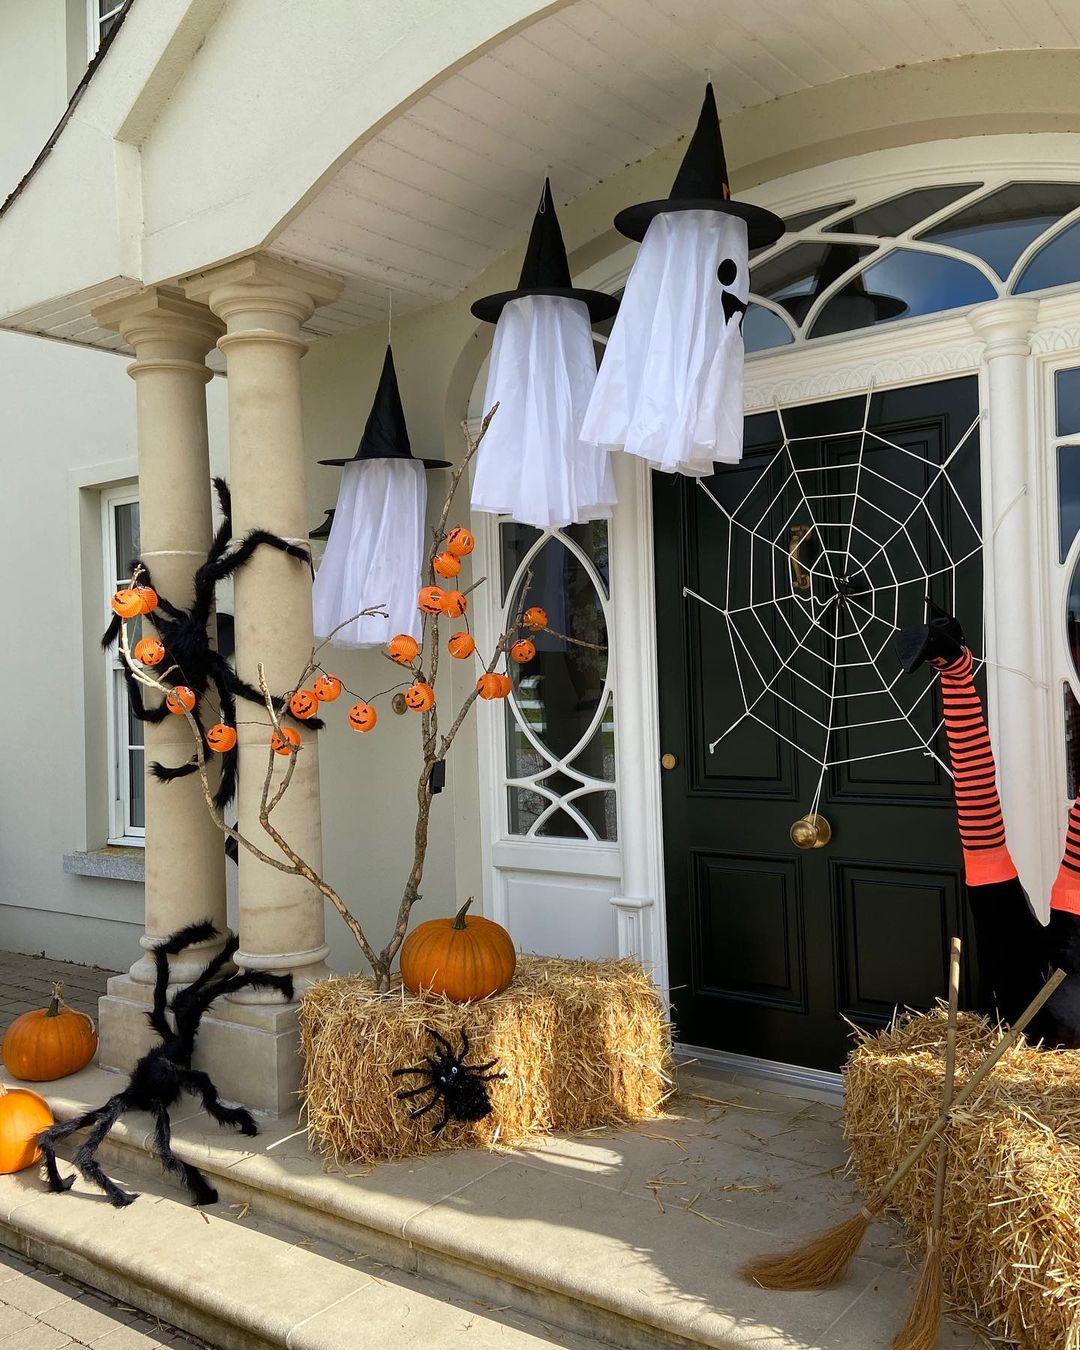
x=811, y=831
x=669, y=761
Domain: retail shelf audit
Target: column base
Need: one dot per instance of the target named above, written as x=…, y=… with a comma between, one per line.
x=251, y=1051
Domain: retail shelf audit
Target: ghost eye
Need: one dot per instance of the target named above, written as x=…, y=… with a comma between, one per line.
x=727, y=272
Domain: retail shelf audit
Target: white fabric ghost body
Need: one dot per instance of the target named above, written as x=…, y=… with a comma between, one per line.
x=670, y=387
x=374, y=554
x=532, y=464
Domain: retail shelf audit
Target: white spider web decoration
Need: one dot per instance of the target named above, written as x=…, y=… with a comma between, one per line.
x=811, y=635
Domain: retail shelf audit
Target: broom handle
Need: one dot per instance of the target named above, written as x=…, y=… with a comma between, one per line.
x=966, y=1091
x=950, y=1073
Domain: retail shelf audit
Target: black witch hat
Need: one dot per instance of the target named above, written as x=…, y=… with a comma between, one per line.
x=385, y=435
x=323, y=531
x=546, y=271
x=702, y=185
x=853, y=306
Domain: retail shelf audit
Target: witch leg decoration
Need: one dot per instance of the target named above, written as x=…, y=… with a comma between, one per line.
x=164, y=1072
x=1008, y=936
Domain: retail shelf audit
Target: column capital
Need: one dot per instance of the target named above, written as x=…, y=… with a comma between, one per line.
x=1005, y=325
x=160, y=323
x=262, y=292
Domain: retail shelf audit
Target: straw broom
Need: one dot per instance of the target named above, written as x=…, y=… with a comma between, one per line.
x=923, y=1322
x=823, y=1260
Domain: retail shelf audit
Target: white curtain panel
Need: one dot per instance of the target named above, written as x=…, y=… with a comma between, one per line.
x=375, y=553
x=670, y=387
x=532, y=464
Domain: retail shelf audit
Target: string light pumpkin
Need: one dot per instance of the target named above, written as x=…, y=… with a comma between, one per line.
x=523, y=651
x=327, y=688
x=488, y=685
x=49, y=1042
x=127, y=603
x=461, y=645
x=182, y=698
x=454, y=604
x=283, y=741
x=430, y=600
x=446, y=565
x=505, y=685
x=221, y=737
x=460, y=542
x=362, y=717
x=404, y=647
x=462, y=958
x=23, y=1116
x=534, y=618
x=149, y=651
x=420, y=697
x=304, y=704
x=149, y=598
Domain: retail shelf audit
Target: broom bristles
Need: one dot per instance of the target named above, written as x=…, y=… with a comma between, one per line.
x=923, y=1323
x=817, y=1263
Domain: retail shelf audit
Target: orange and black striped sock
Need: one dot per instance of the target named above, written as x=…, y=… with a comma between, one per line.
x=978, y=807
x=1066, y=890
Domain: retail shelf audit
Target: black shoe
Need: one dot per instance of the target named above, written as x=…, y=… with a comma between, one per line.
x=939, y=639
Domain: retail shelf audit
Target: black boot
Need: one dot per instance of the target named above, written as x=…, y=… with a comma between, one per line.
x=939, y=639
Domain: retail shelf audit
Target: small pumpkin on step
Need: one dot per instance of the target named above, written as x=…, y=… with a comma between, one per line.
x=23, y=1116
x=50, y=1042
x=464, y=959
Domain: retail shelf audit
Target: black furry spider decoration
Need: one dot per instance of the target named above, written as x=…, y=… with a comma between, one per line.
x=164, y=1072
x=459, y=1086
x=191, y=659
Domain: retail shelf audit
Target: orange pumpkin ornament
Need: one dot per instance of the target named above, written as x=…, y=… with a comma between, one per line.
x=282, y=742
x=534, y=618
x=420, y=696
x=50, y=1042
x=488, y=685
x=464, y=959
x=327, y=688
x=180, y=700
x=221, y=737
x=454, y=604
x=460, y=541
x=446, y=564
x=149, y=651
x=461, y=645
x=404, y=647
x=430, y=600
x=304, y=704
x=149, y=598
x=127, y=603
x=362, y=717
x=506, y=685
x=23, y=1115
x=523, y=651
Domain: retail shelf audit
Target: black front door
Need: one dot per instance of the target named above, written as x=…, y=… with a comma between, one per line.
x=775, y=949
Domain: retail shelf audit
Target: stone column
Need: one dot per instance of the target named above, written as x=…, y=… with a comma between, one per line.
x=1021, y=712
x=184, y=856
x=263, y=302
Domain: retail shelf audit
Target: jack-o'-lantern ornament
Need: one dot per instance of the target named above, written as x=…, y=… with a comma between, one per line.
x=420, y=697
x=488, y=685
x=446, y=564
x=180, y=700
x=283, y=741
x=304, y=704
x=430, y=600
x=534, y=618
x=454, y=604
x=460, y=541
x=523, y=651
x=327, y=688
x=506, y=684
x=461, y=645
x=149, y=651
x=149, y=598
x=221, y=737
x=362, y=717
x=127, y=603
x=404, y=647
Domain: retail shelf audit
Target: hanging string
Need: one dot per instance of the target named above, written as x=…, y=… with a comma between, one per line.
x=389, y=314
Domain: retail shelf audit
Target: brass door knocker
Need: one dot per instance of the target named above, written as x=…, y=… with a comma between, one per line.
x=811, y=831
x=800, y=577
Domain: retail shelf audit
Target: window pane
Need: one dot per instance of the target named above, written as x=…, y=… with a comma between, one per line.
x=1072, y=744
x=797, y=271
x=1067, y=401
x=805, y=219
x=136, y=789
x=515, y=540
x=561, y=825
x=126, y=518
x=763, y=330
x=898, y=214
x=1068, y=459
x=592, y=539
x=1055, y=264
x=922, y=282
x=1072, y=621
x=999, y=227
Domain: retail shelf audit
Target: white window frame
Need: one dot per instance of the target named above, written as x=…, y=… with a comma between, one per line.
x=121, y=831
x=94, y=22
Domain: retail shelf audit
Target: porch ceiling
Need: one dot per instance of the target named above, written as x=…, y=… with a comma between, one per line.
x=440, y=192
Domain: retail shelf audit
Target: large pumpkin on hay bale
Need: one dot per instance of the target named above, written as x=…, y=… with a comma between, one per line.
x=49, y=1043
x=23, y=1115
x=461, y=958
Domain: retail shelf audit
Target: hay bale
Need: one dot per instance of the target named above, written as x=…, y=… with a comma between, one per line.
x=1011, y=1224
x=583, y=1043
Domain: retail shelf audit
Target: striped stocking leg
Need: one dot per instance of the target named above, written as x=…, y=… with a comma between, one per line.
x=1059, y=1022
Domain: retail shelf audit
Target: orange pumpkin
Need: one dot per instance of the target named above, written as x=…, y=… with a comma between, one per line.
x=430, y=600
x=462, y=958
x=404, y=647
x=488, y=685
x=221, y=737
x=150, y=651
x=523, y=651
x=461, y=645
x=282, y=742
x=127, y=603
x=49, y=1042
x=446, y=564
x=420, y=696
x=535, y=618
x=454, y=604
x=180, y=699
x=460, y=541
x=23, y=1115
x=327, y=688
x=304, y=704
x=149, y=598
x=506, y=685
x=362, y=717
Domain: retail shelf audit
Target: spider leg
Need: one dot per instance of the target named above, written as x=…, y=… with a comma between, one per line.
x=405, y=1093
x=488, y=1077
x=248, y=979
x=230, y=562
x=224, y=530
x=85, y=1158
x=419, y=1111
x=192, y=1178
x=203, y=1084
x=464, y=1045
x=48, y=1139
x=175, y=943
x=138, y=706
x=226, y=788
x=426, y=1067
x=442, y=1123
x=166, y=773
x=441, y=1040
x=482, y=1068
x=242, y=689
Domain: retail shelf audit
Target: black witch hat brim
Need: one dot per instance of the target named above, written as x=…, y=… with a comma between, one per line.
x=762, y=227
x=409, y=459
x=600, y=305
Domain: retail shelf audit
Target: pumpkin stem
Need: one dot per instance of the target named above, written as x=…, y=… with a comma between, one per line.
x=53, y=1010
x=459, y=917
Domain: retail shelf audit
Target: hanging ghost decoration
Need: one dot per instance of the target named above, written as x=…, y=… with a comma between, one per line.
x=533, y=465
x=375, y=549
x=670, y=385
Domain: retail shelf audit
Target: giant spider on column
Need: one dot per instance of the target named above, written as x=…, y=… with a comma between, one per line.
x=164, y=1072
x=192, y=661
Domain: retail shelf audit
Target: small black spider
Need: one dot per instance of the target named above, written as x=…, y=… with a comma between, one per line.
x=459, y=1086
